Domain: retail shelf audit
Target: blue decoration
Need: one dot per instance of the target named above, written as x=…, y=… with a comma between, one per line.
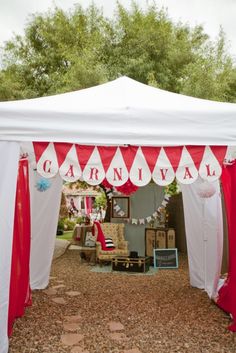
x=43, y=184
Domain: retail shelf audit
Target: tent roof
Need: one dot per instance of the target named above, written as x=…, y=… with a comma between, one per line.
x=120, y=112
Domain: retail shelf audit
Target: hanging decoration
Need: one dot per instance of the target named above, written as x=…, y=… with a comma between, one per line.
x=106, y=184
x=43, y=184
x=158, y=214
x=206, y=190
x=128, y=188
x=136, y=164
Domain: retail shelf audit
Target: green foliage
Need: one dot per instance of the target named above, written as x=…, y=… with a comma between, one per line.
x=60, y=224
x=66, y=236
x=60, y=227
x=69, y=224
x=80, y=220
x=100, y=200
x=64, y=51
x=172, y=189
x=212, y=75
x=59, y=52
x=77, y=185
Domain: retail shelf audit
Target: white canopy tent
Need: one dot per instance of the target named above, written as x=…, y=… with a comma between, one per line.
x=119, y=113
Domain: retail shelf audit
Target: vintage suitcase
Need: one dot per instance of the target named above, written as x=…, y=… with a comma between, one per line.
x=170, y=238
x=127, y=264
x=150, y=239
x=161, y=239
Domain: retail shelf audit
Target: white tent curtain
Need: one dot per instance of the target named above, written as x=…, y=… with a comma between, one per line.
x=9, y=157
x=204, y=233
x=44, y=217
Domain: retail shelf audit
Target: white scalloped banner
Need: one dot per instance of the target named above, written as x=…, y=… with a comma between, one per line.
x=140, y=174
x=93, y=172
x=186, y=172
x=47, y=165
x=117, y=173
x=70, y=169
x=131, y=162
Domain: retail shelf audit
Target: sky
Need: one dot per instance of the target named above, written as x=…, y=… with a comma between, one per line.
x=212, y=14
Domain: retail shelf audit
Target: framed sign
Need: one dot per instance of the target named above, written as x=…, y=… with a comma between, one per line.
x=165, y=258
x=120, y=207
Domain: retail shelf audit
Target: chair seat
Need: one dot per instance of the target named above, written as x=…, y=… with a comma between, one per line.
x=115, y=231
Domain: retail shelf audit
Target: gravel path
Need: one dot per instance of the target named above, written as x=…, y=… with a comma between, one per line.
x=88, y=312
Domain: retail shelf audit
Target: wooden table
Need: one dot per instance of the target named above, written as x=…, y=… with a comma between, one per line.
x=87, y=254
x=79, y=233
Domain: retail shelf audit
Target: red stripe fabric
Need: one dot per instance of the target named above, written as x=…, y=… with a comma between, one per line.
x=151, y=154
x=61, y=150
x=83, y=153
x=39, y=148
x=227, y=293
x=107, y=153
x=20, y=293
x=88, y=201
x=101, y=236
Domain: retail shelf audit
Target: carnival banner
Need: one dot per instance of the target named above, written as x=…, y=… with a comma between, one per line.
x=117, y=165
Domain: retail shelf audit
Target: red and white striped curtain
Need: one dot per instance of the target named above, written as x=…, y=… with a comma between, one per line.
x=9, y=159
x=227, y=293
x=93, y=164
x=20, y=293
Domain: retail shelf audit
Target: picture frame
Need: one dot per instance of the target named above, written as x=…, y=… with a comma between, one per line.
x=165, y=258
x=120, y=206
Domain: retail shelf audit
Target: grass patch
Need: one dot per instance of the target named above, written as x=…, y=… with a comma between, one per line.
x=66, y=235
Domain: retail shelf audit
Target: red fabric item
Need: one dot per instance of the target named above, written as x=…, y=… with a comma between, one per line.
x=61, y=150
x=101, y=236
x=106, y=184
x=107, y=153
x=39, y=148
x=20, y=293
x=128, y=188
x=88, y=201
x=227, y=293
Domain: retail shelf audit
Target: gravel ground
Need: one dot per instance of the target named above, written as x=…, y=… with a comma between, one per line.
x=117, y=313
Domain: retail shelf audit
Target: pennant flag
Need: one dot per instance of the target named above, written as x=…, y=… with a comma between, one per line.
x=118, y=164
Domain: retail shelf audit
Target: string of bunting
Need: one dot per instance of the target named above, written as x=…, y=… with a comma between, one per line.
x=136, y=221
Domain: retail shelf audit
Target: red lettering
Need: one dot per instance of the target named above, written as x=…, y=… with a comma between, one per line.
x=70, y=172
x=117, y=174
x=45, y=166
x=163, y=173
x=187, y=173
x=209, y=170
x=140, y=174
x=93, y=174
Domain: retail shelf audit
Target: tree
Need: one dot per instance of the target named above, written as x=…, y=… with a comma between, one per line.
x=100, y=200
x=63, y=51
x=59, y=53
x=212, y=74
x=148, y=45
x=63, y=207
